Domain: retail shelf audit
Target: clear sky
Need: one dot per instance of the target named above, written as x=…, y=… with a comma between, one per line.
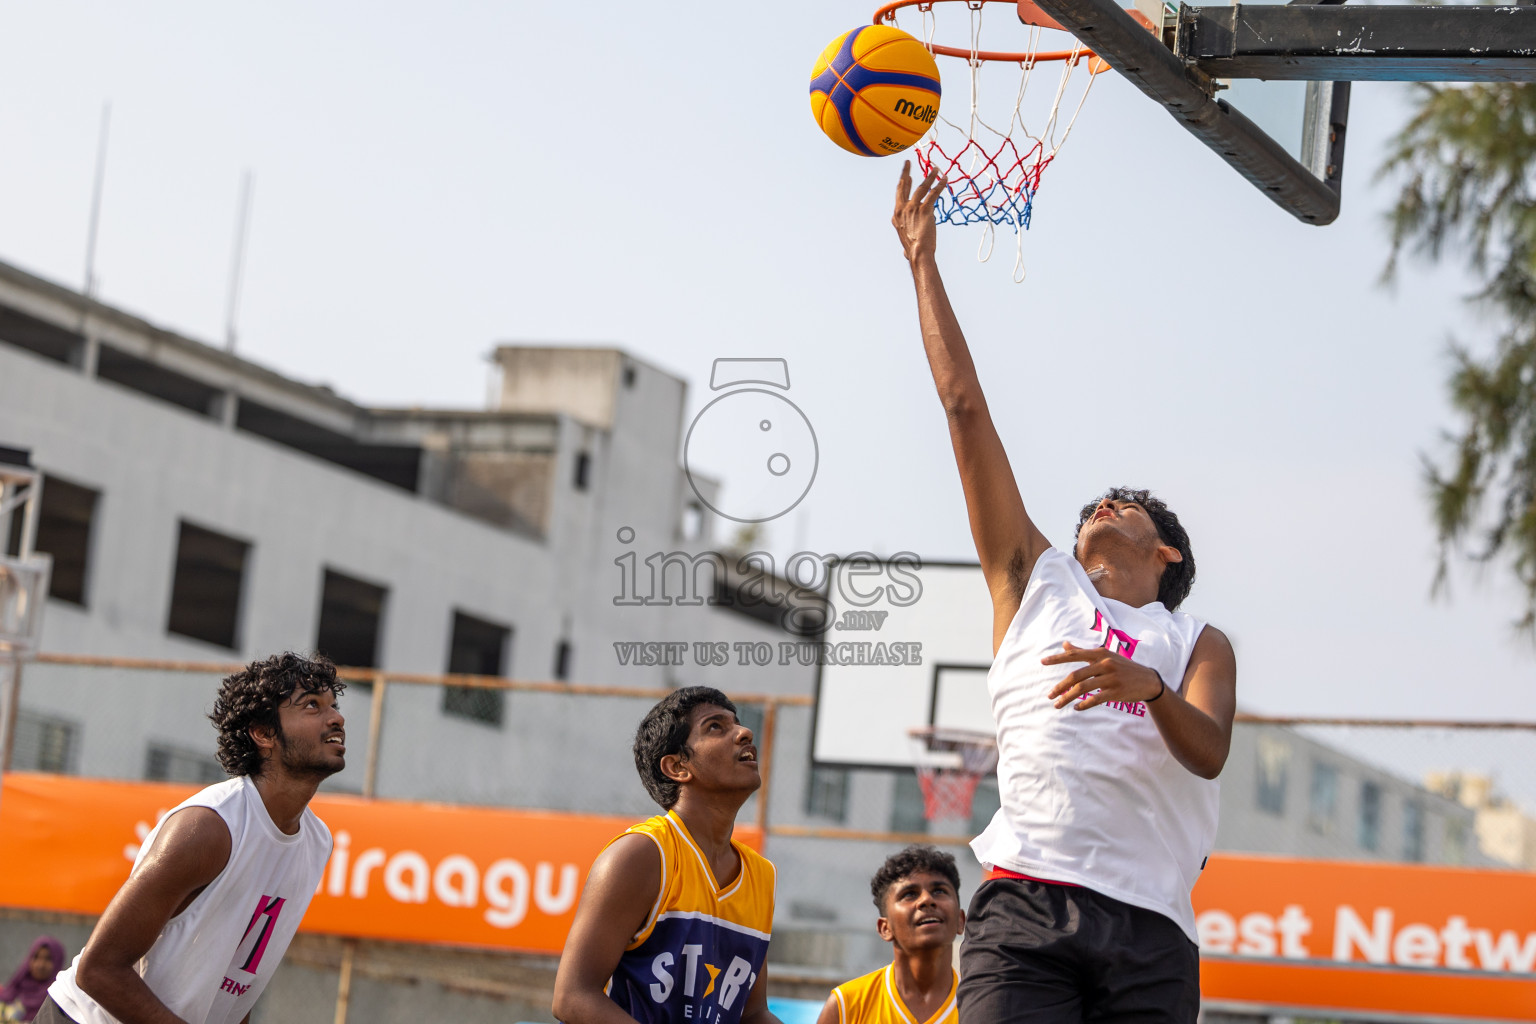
x=434, y=179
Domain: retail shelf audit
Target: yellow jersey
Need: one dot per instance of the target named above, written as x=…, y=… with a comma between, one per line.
x=702, y=947
x=873, y=999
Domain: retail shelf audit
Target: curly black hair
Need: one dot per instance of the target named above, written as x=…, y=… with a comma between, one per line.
x=252, y=696
x=1178, y=577
x=910, y=861
x=663, y=731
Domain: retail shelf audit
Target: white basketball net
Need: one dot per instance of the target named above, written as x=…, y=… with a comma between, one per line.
x=994, y=165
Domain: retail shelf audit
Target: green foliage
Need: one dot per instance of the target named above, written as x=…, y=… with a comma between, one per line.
x=1468, y=161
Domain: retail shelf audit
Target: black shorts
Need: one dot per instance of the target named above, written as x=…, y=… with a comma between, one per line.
x=1036, y=952
x=49, y=1013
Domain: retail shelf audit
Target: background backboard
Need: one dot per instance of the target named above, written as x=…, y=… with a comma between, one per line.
x=863, y=711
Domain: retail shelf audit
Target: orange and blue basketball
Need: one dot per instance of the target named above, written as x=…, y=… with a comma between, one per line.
x=875, y=90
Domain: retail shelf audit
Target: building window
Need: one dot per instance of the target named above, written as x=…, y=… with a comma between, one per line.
x=1322, y=797
x=629, y=376
x=1413, y=831
x=984, y=804
x=583, y=470
x=751, y=716
x=45, y=744
x=826, y=794
x=907, y=805
x=1274, y=760
x=173, y=764
x=63, y=531
x=563, y=660
x=351, y=614
x=1455, y=851
x=205, y=596
x=693, y=521
x=478, y=648
x=1370, y=816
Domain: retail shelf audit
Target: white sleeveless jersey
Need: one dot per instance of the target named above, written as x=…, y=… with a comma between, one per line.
x=214, y=959
x=1094, y=797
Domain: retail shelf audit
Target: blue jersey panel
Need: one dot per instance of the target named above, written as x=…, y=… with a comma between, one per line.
x=692, y=969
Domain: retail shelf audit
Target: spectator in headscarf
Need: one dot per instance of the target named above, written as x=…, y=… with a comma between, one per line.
x=21, y=999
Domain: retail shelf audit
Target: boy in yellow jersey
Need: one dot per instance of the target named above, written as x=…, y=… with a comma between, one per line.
x=674, y=920
x=917, y=892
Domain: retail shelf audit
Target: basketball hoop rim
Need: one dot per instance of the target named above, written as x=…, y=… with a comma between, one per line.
x=1029, y=14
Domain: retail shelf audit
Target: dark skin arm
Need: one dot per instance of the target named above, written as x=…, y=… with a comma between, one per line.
x=618, y=897
x=831, y=1012
x=1007, y=540
x=189, y=852
x=756, y=1011
x=1196, y=725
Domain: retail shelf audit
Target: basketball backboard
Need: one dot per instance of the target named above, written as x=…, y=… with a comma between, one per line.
x=941, y=615
x=1266, y=84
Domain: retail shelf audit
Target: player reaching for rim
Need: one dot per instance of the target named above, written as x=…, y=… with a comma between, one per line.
x=1114, y=714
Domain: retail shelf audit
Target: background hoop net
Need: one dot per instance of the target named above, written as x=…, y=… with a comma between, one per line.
x=996, y=156
x=950, y=765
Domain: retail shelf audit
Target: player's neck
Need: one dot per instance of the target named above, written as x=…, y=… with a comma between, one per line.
x=285, y=796
x=711, y=822
x=1119, y=583
x=924, y=977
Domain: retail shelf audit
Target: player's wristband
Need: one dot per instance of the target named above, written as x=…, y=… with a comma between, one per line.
x=1161, y=686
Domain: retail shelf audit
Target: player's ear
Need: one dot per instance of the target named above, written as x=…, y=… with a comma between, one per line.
x=1169, y=554
x=883, y=926
x=675, y=767
x=960, y=925
x=264, y=736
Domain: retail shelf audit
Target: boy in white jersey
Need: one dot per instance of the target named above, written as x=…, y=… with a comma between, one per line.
x=917, y=892
x=1114, y=716
x=675, y=917
x=219, y=886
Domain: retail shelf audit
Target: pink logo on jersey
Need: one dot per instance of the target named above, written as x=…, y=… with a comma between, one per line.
x=1117, y=641
x=267, y=909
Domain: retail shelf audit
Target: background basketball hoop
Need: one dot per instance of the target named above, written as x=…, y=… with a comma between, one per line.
x=950, y=764
x=23, y=585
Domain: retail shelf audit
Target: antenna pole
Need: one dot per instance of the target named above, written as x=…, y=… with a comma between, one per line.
x=101, y=176
x=237, y=259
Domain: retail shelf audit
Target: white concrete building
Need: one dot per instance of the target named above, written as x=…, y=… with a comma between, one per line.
x=202, y=508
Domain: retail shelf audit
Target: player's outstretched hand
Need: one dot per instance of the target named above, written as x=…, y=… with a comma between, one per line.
x=913, y=218
x=1114, y=676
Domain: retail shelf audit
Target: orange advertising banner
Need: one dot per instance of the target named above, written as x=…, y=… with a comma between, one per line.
x=1405, y=940
x=409, y=872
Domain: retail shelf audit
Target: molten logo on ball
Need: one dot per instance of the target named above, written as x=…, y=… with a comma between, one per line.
x=927, y=114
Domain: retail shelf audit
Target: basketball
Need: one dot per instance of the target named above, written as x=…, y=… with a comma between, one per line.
x=875, y=90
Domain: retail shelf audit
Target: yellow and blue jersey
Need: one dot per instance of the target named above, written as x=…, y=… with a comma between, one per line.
x=701, y=949
x=873, y=999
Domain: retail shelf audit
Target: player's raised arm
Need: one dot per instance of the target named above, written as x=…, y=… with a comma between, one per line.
x=618, y=897
x=1007, y=541
x=190, y=851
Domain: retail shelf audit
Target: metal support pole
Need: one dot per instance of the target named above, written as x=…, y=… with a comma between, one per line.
x=10, y=705
x=375, y=727
x=344, y=987
x=370, y=782
x=765, y=762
